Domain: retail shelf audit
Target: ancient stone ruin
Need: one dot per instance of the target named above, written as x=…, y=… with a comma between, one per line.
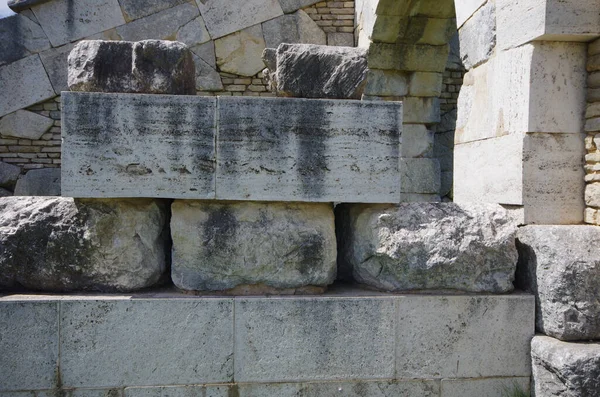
x=300, y=198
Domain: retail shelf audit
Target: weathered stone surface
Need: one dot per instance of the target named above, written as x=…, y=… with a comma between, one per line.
x=281, y=149
x=478, y=36
x=134, y=9
x=240, y=53
x=22, y=5
x=421, y=110
x=149, y=66
x=56, y=63
x=420, y=175
x=181, y=391
x=491, y=387
x=207, y=78
x=190, y=342
x=293, y=28
x=417, y=141
x=5, y=192
x=420, y=29
x=409, y=57
x=234, y=15
x=67, y=20
x=311, y=71
x=25, y=124
x=20, y=37
x=464, y=337
x=62, y=244
x=466, y=9
x=219, y=246
x=23, y=91
x=29, y=345
x=424, y=84
x=426, y=388
x=386, y=83
x=340, y=39
x=8, y=175
x=132, y=145
x=293, y=5
x=355, y=339
x=565, y=369
x=559, y=264
x=206, y=52
x=420, y=246
x=42, y=182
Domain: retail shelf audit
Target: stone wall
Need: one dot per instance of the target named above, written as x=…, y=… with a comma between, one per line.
x=592, y=140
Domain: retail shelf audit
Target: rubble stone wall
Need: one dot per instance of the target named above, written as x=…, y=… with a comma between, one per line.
x=592, y=140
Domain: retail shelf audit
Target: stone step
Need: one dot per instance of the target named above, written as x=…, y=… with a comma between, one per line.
x=364, y=343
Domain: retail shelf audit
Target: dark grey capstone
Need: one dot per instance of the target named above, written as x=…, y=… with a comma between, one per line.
x=20, y=5
x=8, y=175
x=317, y=71
x=42, y=182
x=63, y=244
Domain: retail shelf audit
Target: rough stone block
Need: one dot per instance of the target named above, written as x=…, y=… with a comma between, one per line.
x=235, y=15
x=293, y=28
x=464, y=336
x=80, y=19
x=329, y=339
x=456, y=247
x=129, y=145
x=559, y=264
x=8, y=175
x=219, y=246
x=20, y=37
x=29, y=345
x=279, y=149
x=190, y=342
x=592, y=194
x=565, y=369
x=134, y=9
x=491, y=387
x=478, y=36
x=409, y=57
x=241, y=53
x=42, y=182
x=59, y=244
x=23, y=91
x=25, y=124
x=420, y=175
x=427, y=388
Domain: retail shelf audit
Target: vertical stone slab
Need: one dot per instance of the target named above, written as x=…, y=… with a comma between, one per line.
x=154, y=342
x=29, y=345
x=132, y=145
x=279, y=149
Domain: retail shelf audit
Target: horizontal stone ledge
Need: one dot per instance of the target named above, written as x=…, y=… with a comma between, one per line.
x=226, y=148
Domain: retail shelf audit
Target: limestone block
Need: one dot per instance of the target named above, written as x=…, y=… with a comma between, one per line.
x=465, y=9
x=432, y=8
x=409, y=57
x=424, y=84
x=206, y=52
x=593, y=63
x=592, y=125
x=417, y=141
x=340, y=39
x=523, y=21
x=8, y=175
x=423, y=388
x=235, y=15
x=289, y=6
x=116, y=245
x=280, y=149
x=180, y=391
x=386, y=83
x=190, y=342
x=457, y=247
x=207, y=78
x=420, y=29
x=20, y=37
x=134, y=9
x=55, y=61
x=592, y=194
x=42, y=182
x=559, y=265
x=478, y=36
x=132, y=145
x=464, y=337
x=593, y=95
x=29, y=345
x=219, y=246
x=565, y=369
x=22, y=5
x=194, y=32
x=421, y=110
x=241, y=53
x=420, y=175
x=293, y=28
x=25, y=124
x=355, y=339
x=79, y=19
x=23, y=92
x=491, y=387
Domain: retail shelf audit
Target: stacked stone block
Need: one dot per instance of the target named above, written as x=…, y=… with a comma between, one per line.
x=592, y=139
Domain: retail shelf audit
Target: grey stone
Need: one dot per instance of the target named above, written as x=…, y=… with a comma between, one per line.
x=67, y=20
x=427, y=246
x=159, y=145
x=464, y=336
x=29, y=345
x=181, y=391
x=420, y=175
x=425, y=84
x=134, y=9
x=148, y=66
x=331, y=339
x=478, y=36
x=62, y=244
x=293, y=5
x=41, y=182
x=207, y=78
x=8, y=175
x=560, y=266
x=190, y=342
x=491, y=387
x=20, y=37
x=223, y=18
x=281, y=149
x=25, y=124
x=427, y=388
x=23, y=91
x=206, y=52
x=408, y=57
x=417, y=141
x=565, y=369
x=420, y=110
x=240, y=53
x=340, y=39
x=55, y=61
x=22, y=5
x=219, y=246
x=293, y=28
x=5, y=192
x=194, y=32
x=312, y=71
x=386, y=83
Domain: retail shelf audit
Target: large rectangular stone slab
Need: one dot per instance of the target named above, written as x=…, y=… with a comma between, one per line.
x=464, y=336
x=428, y=388
x=302, y=339
x=280, y=149
x=29, y=345
x=134, y=145
x=154, y=342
